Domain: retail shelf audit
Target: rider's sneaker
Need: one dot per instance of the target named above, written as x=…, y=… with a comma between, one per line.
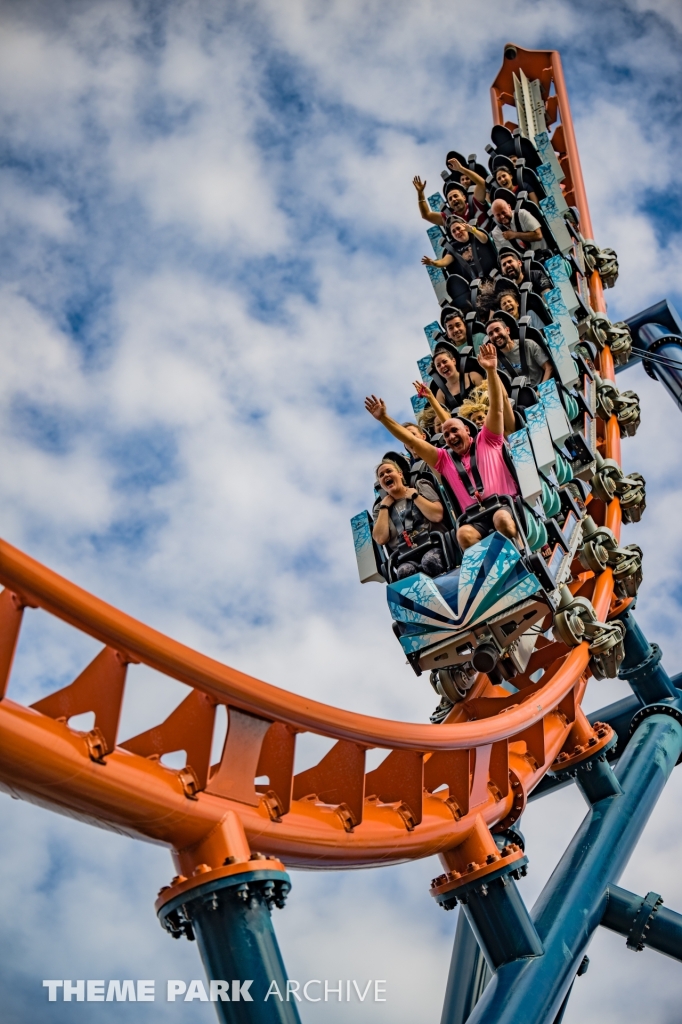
x=442, y=711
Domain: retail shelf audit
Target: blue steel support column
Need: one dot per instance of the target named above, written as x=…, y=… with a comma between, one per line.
x=596, y=781
x=562, y=1009
x=570, y=908
x=641, y=665
x=658, y=330
x=230, y=919
x=619, y=716
x=656, y=338
x=469, y=974
x=643, y=921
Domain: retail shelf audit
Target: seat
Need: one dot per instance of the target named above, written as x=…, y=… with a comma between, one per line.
x=522, y=202
x=506, y=143
x=458, y=291
x=527, y=180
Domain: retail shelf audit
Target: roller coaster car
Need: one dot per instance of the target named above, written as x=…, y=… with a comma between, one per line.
x=485, y=615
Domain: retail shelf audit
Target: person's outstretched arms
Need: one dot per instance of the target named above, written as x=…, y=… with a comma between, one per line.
x=376, y=407
x=424, y=392
x=425, y=211
x=479, y=235
x=445, y=261
x=509, y=419
x=487, y=360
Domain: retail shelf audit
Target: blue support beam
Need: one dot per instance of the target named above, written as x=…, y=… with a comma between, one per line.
x=658, y=330
x=642, y=667
x=618, y=715
x=643, y=921
x=469, y=974
x=230, y=919
x=500, y=921
x=531, y=990
x=596, y=781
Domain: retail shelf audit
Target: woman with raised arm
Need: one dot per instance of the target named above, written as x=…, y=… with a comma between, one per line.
x=469, y=410
x=504, y=173
x=453, y=388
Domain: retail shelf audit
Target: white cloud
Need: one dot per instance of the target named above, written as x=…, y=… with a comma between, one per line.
x=666, y=10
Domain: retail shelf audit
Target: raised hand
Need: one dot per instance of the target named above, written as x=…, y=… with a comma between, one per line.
x=421, y=388
x=419, y=184
x=428, y=262
x=455, y=165
x=487, y=356
x=376, y=407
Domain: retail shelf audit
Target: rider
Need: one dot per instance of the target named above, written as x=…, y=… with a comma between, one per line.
x=503, y=332
x=478, y=201
x=452, y=322
x=508, y=299
x=418, y=467
x=456, y=200
x=452, y=389
x=520, y=227
x=511, y=266
x=403, y=518
x=504, y=173
x=468, y=251
x=474, y=407
x=474, y=467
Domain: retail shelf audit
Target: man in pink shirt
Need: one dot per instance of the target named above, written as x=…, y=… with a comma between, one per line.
x=473, y=467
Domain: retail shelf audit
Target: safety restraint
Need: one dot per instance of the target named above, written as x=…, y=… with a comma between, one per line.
x=472, y=480
x=405, y=526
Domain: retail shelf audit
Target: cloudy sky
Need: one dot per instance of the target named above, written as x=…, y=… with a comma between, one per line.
x=209, y=253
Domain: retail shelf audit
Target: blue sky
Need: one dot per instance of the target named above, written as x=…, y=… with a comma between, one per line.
x=209, y=253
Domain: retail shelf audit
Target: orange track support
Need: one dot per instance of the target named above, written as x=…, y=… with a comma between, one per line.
x=436, y=789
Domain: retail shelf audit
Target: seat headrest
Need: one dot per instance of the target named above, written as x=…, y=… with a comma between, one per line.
x=508, y=250
x=506, y=194
x=507, y=319
x=450, y=313
x=505, y=284
x=502, y=161
x=454, y=186
x=400, y=460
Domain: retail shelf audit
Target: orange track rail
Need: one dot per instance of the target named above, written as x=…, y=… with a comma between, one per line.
x=437, y=787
